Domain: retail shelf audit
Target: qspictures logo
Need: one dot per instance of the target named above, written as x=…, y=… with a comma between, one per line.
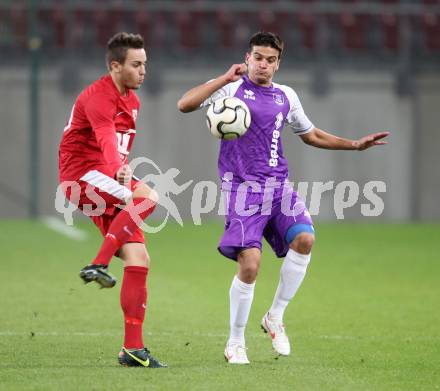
x=207, y=196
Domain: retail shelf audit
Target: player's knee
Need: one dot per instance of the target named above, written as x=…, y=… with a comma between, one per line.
x=141, y=259
x=303, y=243
x=249, y=267
x=135, y=254
x=248, y=273
x=301, y=238
x=144, y=257
x=144, y=191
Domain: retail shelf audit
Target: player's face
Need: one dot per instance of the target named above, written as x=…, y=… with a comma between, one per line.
x=132, y=72
x=262, y=62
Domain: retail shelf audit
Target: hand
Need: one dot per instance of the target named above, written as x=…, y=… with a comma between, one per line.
x=235, y=72
x=124, y=174
x=370, y=141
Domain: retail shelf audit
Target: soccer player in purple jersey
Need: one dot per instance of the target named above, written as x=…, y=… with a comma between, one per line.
x=254, y=171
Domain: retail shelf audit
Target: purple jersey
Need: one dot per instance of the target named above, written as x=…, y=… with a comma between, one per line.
x=258, y=154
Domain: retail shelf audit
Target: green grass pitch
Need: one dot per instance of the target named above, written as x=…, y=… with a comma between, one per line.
x=366, y=318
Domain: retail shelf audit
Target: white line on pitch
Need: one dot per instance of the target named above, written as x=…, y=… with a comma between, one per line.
x=196, y=334
x=62, y=228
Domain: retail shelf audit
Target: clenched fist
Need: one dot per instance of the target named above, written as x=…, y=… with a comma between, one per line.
x=124, y=174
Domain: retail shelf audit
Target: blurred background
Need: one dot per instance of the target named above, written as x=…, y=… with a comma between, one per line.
x=357, y=66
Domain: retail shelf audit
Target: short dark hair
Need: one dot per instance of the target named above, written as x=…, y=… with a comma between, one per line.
x=118, y=45
x=263, y=38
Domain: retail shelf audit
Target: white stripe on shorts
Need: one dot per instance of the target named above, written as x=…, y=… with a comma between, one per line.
x=107, y=184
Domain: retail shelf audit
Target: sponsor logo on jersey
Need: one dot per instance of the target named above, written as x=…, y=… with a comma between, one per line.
x=134, y=114
x=248, y=94
x=273, y=160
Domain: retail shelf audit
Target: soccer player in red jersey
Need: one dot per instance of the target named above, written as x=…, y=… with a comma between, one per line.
x=94, y=174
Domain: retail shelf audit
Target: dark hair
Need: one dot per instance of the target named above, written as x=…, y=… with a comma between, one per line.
x=263, y=38
x=118, y=45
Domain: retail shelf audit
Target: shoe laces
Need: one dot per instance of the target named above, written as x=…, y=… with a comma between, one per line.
x=277, y=326
x=280, y=328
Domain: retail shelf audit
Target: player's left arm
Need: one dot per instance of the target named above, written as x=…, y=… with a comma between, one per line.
x=321, y=139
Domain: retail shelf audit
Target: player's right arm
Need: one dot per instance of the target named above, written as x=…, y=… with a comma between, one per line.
x=100, y=110
x=193, y=98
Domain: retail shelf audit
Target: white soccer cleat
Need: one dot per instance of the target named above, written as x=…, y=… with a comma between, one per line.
x=236, y=354
x=276, y=330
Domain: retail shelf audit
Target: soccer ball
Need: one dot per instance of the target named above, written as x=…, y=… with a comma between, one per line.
x=228, y=118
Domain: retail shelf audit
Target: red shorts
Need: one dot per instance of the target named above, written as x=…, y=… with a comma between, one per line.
x=101, y=198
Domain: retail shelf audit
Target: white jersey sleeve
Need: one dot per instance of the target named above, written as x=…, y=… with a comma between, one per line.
x=296, y=118
x=228, y=90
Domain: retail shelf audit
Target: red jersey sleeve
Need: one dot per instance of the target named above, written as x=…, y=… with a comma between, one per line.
x=100, y=110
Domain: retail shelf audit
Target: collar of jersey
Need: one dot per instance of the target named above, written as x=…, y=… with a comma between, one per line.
x=255, y=85
x=110, y=80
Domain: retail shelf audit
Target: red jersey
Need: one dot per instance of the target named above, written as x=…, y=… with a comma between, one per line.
x=100, y=131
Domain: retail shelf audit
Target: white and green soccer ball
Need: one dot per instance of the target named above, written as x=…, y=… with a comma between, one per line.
x=228, y=118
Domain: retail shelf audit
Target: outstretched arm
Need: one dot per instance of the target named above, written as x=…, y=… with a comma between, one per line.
x=321, y=139
x=193, y=98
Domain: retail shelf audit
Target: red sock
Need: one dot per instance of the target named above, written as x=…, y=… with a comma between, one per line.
x=123, y=227
x=133, y=303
